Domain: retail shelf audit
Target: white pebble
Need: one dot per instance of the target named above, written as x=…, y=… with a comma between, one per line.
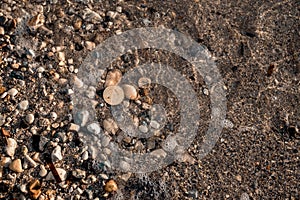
x=74, y=127
x=23, y=105
x=113, y=95
x=12, y=92
x=11, y=147
x=85, y=155
x=56, y=154
x=144, y=82
x=43, y=172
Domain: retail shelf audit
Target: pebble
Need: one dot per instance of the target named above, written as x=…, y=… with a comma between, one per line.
x=29, y=118
x=110, y=126
x=113, y=78
x=94, y=128
x=119, y=9
x=16, y=166
x=43, y=172
x=143, y=129
x=238, y=178
x=91, y=16
x=113, y=95
x=35, y=189
x=74, y=127
x=90, y=45
x=30, y=161
x=12, y=92
x=11, y=147
x=105, y=140
x=23, y=105
x=159, y=153
x=154, y=124
x=111, y=186
x=2, y=30
x=85, y=155
x=82, y=117
x=129, y=91
x=61, y=172
x=124, y=166
x=78, y=173
x=53, y=116
x=144, y=82
x=56, y=154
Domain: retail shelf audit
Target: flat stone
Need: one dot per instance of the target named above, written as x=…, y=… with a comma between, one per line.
x=94, y=128
x=16, y=166
x=110, y=126
x=154, y=124
x=129, y=91
x=78, y=173
x=113, y=78
x=113, y=95
x=74, y=127
x=143, y=129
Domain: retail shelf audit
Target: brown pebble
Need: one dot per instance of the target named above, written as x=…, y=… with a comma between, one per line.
x=113, y=78
x=113, y=95
x=16, y=166
x=129, y=91
x=111, y=186
x=35, y=189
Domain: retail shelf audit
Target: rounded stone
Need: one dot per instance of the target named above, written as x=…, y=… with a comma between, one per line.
x=23, y=105
x=29, y=118
x=113, y=95
x=111, y=186
x=129, y=91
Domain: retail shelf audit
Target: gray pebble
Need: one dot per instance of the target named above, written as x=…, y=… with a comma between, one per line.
x=81, y=117
x=143, y=129
x=154, y=124
x=29, y=118
x=159, y=153
x=94, y=128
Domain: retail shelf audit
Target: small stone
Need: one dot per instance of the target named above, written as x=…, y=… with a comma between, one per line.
x=5, y=162
x=2, y=32
x=61, y=172
x=30, y=161
x=113, y=95
x=12, y=92
x=56, y=154
x=11, y=147
x=111, y=186
x=94, y=128
x=81, y=117
x=144, y=82
x=129, y=91
x=91, y=16
x=74, y=127
x=159, y=153
x=16, y=166
x=154, y=124
x=119, y=9
x=23, y=105
x=53, y=116
x=78, y=173
x=43, y=171
x=29, y=118
x=36, y=21
x=77, y=23
x=113, y=78
x=110, y=126
x=205, y=91
x=143, y=129
x=238, y=178
x=85, y=155
x=90, y=45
